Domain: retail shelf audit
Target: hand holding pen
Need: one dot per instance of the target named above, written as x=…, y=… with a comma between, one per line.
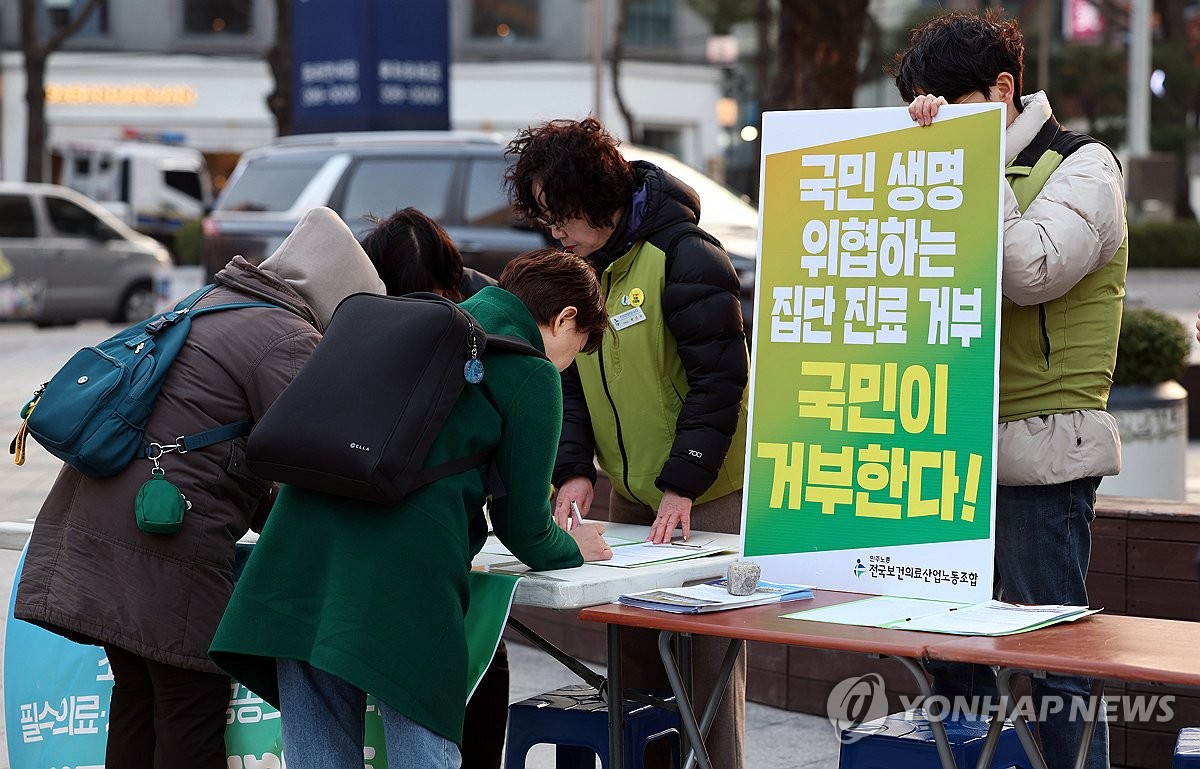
x=589, y=537
x=577, y=490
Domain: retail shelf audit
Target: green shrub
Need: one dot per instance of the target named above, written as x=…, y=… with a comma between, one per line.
x=1153, y=348
x=189, y=240
x=1164, y=244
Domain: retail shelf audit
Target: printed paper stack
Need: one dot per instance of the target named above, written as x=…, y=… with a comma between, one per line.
x=713, y=596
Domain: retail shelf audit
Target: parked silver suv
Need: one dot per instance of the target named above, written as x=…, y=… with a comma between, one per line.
x=457, y=178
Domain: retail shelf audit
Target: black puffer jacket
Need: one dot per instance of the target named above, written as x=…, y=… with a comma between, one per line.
x=702, y=313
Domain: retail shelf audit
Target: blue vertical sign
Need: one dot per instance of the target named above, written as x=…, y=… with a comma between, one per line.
x=370, y=65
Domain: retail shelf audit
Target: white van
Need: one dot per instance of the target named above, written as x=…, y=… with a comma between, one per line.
x=154, y=188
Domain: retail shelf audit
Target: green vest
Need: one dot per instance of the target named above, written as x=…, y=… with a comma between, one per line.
x=635, y=385
x=1058, y=356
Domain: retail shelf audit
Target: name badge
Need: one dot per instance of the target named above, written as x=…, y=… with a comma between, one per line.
x=627, y=318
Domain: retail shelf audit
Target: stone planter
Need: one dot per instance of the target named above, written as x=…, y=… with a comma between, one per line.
x=1153, y=424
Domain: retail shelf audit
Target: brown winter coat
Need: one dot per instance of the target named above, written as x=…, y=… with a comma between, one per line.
x=90, y=573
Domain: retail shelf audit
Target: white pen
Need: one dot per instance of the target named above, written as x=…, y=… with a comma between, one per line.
x=575, y=513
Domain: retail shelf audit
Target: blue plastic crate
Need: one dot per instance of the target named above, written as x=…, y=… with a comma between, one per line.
x=1187, y=749
x=575, y=720
x=906, y=740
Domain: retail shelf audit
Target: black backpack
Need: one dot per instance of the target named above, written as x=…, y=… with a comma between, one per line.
x=362, y=414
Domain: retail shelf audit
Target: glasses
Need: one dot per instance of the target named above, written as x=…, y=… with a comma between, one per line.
x=551, y=224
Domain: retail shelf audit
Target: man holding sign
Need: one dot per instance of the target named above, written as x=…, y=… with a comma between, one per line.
x=1064, y=263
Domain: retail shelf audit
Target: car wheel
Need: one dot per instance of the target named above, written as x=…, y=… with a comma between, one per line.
x=138, y=303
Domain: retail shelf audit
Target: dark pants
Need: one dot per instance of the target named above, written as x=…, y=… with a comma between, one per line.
x=642, y=668
x=162, y=716
x=1043, y=545
x=487, y=716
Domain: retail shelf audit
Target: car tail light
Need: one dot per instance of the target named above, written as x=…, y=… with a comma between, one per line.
x=210, y=227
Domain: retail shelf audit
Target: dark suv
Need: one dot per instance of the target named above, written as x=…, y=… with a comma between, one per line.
x=457, y=178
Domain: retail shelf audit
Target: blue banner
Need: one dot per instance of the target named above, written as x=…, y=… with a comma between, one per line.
x=370, y=65
x=57, y=692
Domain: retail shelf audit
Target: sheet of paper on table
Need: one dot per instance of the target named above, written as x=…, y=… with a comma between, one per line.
x=494, y=546
x=713, y=596
x=988, y=618
x=881, y=611
x=631, y=555
x=993, y=618
x=646, y=553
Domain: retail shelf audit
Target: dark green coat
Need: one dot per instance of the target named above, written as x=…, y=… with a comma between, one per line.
x=377, y=596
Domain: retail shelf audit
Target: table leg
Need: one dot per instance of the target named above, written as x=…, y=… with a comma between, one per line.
x=935, y=719
x=696, y=753
x=718, y=693
x=687, y=717
x=1089, y=724
x=616, y=701
x=589, y=676
x=992, y=739
x=1032, y=750
x=683, y=650
x=683, y=653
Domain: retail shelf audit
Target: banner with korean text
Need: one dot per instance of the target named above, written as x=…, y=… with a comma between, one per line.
x=875, y=355
x=57, y=693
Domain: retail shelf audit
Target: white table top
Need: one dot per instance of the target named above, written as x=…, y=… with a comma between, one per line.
x=591, y=585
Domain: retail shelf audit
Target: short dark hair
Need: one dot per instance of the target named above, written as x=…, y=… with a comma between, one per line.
x=957, y=54
x=548, y=280
x=411, y=252
x=579, y=168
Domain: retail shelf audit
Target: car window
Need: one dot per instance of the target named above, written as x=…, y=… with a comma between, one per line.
x=487, y=203
x=270, y=183
x=70, y=220
x=16, y=217
x=719, y=206
x=187, y=182
x=380, y=185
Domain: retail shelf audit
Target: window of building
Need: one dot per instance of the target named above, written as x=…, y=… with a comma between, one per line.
x=218, y=17
x=669, y=140
x=650, y=23
x=505, y=19
x=97, y=23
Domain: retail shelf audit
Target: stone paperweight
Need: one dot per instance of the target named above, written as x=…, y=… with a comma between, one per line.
x=743, y=577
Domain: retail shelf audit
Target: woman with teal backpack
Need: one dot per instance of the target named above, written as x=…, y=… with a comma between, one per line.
x=153, y=601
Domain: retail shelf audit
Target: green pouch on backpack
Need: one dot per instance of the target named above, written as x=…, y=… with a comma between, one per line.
x=160, y=506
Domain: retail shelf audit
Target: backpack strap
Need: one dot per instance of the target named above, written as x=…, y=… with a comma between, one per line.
x=187, y=308
x=191, y=299
x=186, y=443
x=1034, y=165
x=462, y=464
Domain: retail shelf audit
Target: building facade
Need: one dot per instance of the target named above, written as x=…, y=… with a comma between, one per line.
x=194, y=71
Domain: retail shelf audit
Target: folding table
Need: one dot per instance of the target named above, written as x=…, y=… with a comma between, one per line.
x=1101, y=646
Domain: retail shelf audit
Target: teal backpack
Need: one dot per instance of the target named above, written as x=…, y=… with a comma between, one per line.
x=92, y=413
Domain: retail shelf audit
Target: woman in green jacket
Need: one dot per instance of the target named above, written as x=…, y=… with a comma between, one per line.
x=343, y=597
